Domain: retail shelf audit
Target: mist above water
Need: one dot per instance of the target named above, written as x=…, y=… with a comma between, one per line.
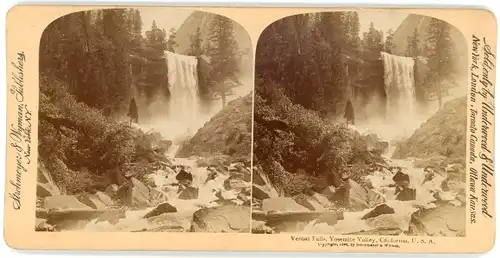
x=403, y=114
x=179, y=117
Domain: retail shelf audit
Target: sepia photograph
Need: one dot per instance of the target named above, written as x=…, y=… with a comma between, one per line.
x=360, y=126
x=145, y=120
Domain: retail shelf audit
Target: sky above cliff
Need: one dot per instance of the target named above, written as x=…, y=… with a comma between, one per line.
x=382, y=20
x=166, y=18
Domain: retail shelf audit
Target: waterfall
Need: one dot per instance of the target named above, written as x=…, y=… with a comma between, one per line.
x=183, y=113
x=399, y=85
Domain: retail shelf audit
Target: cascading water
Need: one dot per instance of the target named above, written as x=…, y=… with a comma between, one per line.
x=184, y=100
x=402, y=116
x=399, y=85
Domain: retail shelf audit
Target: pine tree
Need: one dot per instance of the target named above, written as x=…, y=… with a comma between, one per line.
x=439, y=58
x=137, y=27
x=222, y=49
x=413, y=44
x=171, y=42
x=389, y=44
x=155, y=38
x=195, y=48
x=373, y=40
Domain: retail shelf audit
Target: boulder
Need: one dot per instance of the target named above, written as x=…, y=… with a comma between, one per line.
x=156, y=196
x=407, y=194
x=228, y=219
x=321, y=199
x=92, y=201
x=160, y=209
x=104, y=198
x=46, y=183
x=63, y=202
x=237, y=183
x=261, y=185
x=309, y=202
x=259, y=227
x=281, y=204
x=379, y=210
x=259, y=193
x=359, y=198
x=45, y=189
x=189, y=193
x=42, y=225
x=441, y=221
x=111, y=190
x=134, y=193
x=171, y=222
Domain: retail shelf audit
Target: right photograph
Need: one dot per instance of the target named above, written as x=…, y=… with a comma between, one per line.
x=360, y=126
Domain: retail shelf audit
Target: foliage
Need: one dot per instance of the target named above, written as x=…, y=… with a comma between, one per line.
x=293, y=144
x=195, y=47
x=85, y=81
x=320, y=60
x=439, y=58
x=413, y=43
x=171, y=43
x=222, y=49
x=388, y=43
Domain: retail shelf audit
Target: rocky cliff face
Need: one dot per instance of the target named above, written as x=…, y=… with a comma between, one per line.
x=443, y=134
x=227, y=133
x=203, y=21
x=421, y=23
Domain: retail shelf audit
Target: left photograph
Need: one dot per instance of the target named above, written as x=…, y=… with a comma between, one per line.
x=145, y=121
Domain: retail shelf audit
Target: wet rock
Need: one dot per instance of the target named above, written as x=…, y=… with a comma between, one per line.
x=228, y=219
x=321, y=199
x=329, y=192
x=259, y=193
x=189, y=193
x=44, y=190
x=259, y=227
x=111, y=190
x=440, y=221
x=379, y=210
x=104, y=198
x=42, y=225
x=401, y=177
x=134, y=193
x=261, y=185
x=407, y=194
x=92, y=201
x=281, y=204
x=160, y=209
x=235, y=182
x=63, y=202
x=46, y=185
x=245, y=198
x=156, y=196
x=309, y=202
x=171, y=221
x=356, y=196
